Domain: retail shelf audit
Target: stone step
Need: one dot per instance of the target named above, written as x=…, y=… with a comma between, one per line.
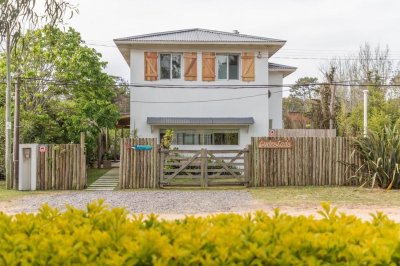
x=103, y=185
x=100, y=189
x=106, y=181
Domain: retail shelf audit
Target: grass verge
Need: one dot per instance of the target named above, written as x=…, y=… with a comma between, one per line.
x=340, y=196
x=7, y=194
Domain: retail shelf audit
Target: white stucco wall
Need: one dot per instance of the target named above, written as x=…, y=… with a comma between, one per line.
x=256, y=107
x=275, y=102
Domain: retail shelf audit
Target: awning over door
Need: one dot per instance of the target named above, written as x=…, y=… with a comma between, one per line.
x=245, y=121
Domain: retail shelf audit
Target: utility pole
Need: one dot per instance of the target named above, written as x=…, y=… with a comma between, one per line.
x=16, y=133
x=332, y=105
x=365, y=113
x=8, y=155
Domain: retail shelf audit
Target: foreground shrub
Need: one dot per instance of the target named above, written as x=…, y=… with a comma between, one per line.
x=100, y=236
x=380, y=158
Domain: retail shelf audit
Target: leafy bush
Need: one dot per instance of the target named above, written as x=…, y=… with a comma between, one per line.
x=110, y=237
x=380, y=158
x=166, y=140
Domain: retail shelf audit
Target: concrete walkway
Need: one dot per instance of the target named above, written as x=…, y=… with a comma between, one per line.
x=107, y=182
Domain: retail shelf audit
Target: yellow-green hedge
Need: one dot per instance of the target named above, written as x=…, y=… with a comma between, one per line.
x=100, y=236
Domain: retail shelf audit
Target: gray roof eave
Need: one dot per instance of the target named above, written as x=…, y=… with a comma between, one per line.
x=167, y=121
x=277, y=43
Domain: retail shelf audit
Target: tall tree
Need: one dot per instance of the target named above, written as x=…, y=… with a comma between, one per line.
x=64, y=88
x=372, y=69
x=14, y=16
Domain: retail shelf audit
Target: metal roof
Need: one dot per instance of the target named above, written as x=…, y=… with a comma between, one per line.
x=279, y=66
x=197, y=35
x=200, y=120
x=286, y=70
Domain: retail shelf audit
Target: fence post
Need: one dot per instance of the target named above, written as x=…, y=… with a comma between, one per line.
x=83, y=180
x=205, y=164
x=162, y=162
x=247, y=165
x=203, y=154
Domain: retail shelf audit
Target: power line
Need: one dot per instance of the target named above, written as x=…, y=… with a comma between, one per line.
x=298, y=56
x=346, y=83
x=204, y=101
x=210, y=86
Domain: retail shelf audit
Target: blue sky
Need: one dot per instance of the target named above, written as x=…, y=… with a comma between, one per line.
x=314, y=29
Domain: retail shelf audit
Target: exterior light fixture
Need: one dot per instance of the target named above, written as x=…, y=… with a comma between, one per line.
x=259, y=56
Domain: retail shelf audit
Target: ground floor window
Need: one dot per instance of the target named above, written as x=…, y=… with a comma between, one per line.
x=204, y=136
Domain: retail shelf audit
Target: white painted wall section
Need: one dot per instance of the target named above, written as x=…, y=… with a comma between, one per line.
x=275, y=102
x=254, y=102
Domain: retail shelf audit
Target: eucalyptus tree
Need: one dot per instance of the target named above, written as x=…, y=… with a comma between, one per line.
x=15, y=16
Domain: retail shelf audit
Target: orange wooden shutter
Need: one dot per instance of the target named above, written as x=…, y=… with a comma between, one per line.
x=208, y=66
x=150, y=66
x=248, y=69
x=190, y=62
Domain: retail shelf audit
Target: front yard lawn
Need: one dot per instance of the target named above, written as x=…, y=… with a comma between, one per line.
x=340, y=196
x=9, y=194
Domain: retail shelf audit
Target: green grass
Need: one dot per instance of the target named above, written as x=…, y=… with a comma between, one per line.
x=9, y=194
x=94, y=173
x=340, y=196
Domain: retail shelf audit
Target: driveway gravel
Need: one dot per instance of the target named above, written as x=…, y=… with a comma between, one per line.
x=160, y=201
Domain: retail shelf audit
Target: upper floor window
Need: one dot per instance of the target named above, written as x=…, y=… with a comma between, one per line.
x=170, y=66
x=228, y=66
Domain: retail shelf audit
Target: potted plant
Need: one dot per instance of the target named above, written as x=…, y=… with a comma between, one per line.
x=107, y=159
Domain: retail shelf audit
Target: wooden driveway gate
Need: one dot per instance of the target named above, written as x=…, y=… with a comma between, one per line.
x=204, y=167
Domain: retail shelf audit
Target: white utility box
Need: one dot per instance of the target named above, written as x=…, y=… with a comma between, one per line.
x=28, y=155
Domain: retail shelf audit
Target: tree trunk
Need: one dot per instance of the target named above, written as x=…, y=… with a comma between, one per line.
x=99, y=150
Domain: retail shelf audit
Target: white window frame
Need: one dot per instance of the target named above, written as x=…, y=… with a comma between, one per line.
x=227, y=65
x=170, y=65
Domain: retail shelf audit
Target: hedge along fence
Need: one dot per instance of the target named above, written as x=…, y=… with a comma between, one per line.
x=61, y=166
x=99, y=236
x=310, y=161
x=138, y=169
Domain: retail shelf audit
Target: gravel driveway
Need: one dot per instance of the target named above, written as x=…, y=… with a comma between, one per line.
x=160, y=201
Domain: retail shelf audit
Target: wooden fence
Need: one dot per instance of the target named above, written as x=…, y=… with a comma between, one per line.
x=309, y=161
x=138, y=169
x=322, y=133
x=301, y=161
x=61, y=166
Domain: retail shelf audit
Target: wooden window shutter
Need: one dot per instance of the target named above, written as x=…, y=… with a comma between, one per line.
x=248, y=69
x=150, y=66
x=208, y=68
x=190, y=63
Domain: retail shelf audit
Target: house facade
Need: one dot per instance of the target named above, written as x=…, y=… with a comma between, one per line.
x=213, y=89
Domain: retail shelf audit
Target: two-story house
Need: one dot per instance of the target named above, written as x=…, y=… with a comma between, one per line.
x=213, y=88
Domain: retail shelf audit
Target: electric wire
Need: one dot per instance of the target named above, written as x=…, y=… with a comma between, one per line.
x=296, y=55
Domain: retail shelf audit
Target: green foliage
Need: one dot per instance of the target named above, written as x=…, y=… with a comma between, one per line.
x=64, y=89
x=381, y=113
x=311, y=101
x=380, y=157
x=100, y=236
x=166, y=140
x=305, y=88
